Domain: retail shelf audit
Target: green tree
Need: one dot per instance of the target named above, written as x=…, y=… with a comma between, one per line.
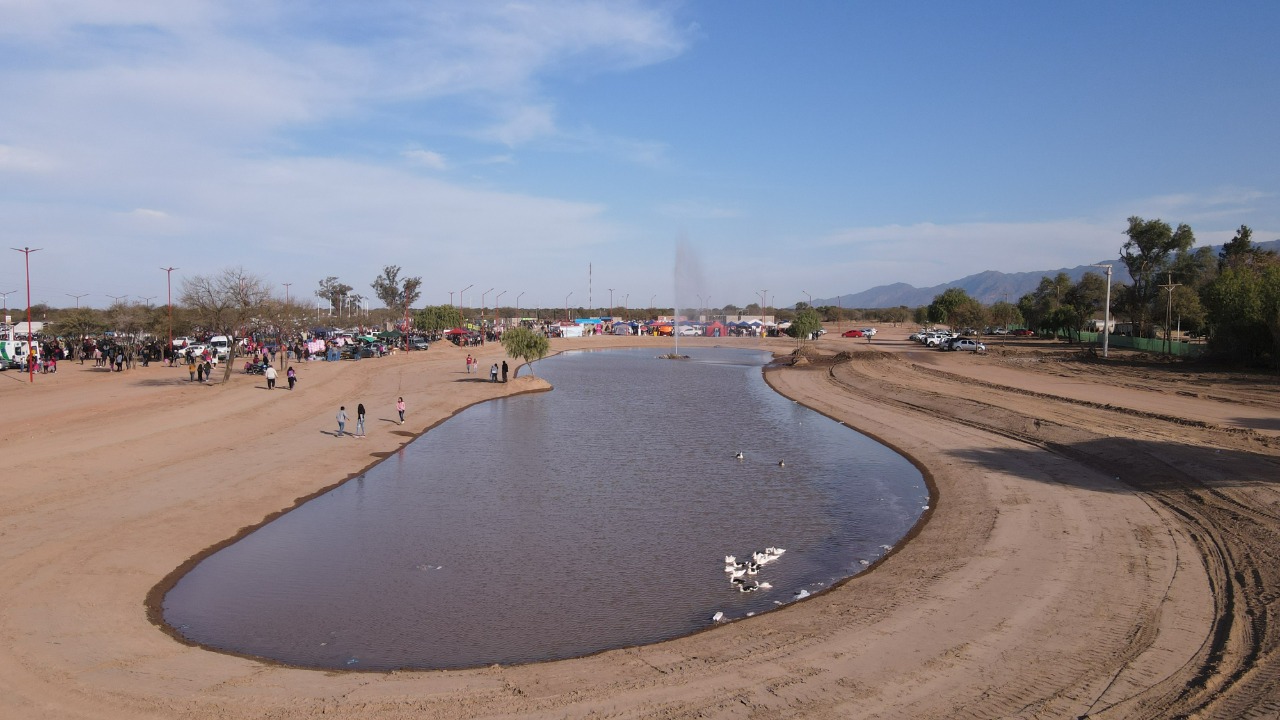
x=806, y=324
x=437, y=318
x=950, y=305
x=525, y=344
x=1148, y=254
x=333, y=291
x=1082, y=302
x=395, y=294
x=1004, y=314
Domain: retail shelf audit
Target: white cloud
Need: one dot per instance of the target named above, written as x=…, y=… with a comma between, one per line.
x=427, y=158
x=697, y=210
x=19, y=159
x=149, y=214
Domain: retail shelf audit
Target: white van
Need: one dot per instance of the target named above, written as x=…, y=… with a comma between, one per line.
x=10, y=355
x=220, y=345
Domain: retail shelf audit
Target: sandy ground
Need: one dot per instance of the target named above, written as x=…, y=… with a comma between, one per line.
x=1101, y=543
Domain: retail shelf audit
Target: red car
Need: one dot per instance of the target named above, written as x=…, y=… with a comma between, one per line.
x=1022, y=333
x=853, y=333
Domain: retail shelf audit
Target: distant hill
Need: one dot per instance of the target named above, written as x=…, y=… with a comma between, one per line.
x=987, y=287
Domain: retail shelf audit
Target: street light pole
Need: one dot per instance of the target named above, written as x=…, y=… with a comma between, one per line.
x=610, y=303
x=518, y=305
x=1106, y=313
x=626, y=305
x=6, y=295
x=566, y=305
x=77, y=297
x=496, y=298
x=169, y=284
x=461, y=300
x=31, y=366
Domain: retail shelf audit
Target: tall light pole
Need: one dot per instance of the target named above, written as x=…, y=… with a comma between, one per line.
x=522, y=292
x=286, y=294
x=148, y=298
x=806, y=293
x=482, y=308
x=6, y=295
x=566, y=304
x=169, y=283
x=461, y=300
x=610, y=303
x=651, y=299
x=626, y=305
x=77, y=297
x=31, y=367
x=699, y=305
x=496, y=298
x=1168, y=315
x=451, y=298
x=1106, y=313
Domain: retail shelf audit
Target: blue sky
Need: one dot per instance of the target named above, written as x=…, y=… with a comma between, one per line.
x=814, y=147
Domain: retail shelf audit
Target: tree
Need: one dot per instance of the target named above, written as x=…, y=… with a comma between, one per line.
x=397, y=295
x=806, y=324
x=1004, y=314
x=525, y=344
x=437, y=318
x=952, y=302
x=334, y=292
x=1242, y=308
x=1147, y=254
x=1081, y=302
x=224, y=302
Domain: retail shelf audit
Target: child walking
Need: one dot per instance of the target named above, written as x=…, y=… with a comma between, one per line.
x=400, y=409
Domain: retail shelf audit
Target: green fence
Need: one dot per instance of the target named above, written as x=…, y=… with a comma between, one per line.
x=1176, y=347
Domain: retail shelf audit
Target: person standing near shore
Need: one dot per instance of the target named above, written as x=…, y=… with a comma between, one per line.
x=493, y=373
x=504, y=371
x=342, y=420
x=360, y=420
x=400, y=409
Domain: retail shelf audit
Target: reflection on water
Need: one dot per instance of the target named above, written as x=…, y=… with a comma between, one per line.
x=559, y=524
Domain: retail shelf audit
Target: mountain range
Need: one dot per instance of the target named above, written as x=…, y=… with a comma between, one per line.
x=986, y=287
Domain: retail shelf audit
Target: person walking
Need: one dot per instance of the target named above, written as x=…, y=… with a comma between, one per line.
x=293, y=376
x=271, y=377
x=342, y=420
x=504, y=371
x=360, y=420
x=400, y=409
x=470, y=362
x=493, y=373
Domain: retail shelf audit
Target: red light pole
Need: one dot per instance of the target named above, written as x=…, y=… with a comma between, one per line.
x=31, y=366
x=169, y=282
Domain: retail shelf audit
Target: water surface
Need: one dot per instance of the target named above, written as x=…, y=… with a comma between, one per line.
x=559, y=524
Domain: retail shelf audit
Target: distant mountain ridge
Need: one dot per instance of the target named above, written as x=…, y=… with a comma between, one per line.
x=987, y=287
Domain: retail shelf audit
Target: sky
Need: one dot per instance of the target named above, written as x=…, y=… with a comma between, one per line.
x=555, y=150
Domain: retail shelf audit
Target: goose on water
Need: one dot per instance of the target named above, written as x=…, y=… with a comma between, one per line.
x=738, y=456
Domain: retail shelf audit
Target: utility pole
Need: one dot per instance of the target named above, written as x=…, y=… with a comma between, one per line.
x=169, y=285
x=610, y=303
x=566, y=305
x=1106, y=312
x=1168, y=315
x=31, y=366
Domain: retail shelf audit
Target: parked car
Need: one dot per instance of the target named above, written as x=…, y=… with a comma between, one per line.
x=968, y=344
x=998, y=331
x=936, y=339
x=853, y=333
x=869, y=332
x=418, y=343
x=689, y=330
x=1022, y=332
